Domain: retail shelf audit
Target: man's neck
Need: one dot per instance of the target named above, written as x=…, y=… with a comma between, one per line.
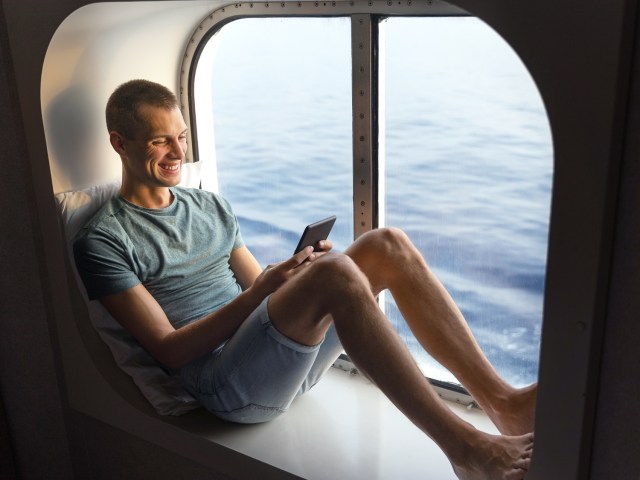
x=147, y=197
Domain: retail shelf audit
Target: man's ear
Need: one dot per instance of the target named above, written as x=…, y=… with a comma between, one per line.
x=117, y=142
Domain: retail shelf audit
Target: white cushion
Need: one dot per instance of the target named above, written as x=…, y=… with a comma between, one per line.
x=163, y=391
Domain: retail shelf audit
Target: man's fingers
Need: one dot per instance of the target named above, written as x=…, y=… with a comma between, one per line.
x=325, y=245
x=299, y=258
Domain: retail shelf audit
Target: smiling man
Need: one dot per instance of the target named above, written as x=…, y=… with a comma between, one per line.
x=170, y=265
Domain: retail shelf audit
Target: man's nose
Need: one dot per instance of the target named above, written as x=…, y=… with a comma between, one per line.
x=177, y=149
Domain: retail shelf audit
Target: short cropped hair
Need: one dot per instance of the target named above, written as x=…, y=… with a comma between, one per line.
x=123, y=106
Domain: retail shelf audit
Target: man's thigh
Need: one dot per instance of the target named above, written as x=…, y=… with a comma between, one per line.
x=259, y=371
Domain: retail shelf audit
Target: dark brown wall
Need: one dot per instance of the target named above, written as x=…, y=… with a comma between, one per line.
x=617, y=440
x=28, y=377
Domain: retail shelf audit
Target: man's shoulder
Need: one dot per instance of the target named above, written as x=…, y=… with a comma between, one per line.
x=104, y=221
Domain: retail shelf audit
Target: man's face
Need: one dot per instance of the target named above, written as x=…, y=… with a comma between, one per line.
x=154, y=158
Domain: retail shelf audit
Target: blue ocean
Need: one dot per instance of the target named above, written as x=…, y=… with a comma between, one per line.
x=466, y=159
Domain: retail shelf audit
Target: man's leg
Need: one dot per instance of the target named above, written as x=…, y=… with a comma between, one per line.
x=333, y=287
x=390, y=261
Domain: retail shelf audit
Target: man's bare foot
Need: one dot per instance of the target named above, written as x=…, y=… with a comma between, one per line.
x=494, y=457
x=515, y=415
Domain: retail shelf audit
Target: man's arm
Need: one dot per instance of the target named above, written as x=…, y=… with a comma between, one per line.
x=245, y=267
x=139, y=313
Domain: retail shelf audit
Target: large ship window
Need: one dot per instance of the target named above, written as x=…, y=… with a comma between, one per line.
x=420, y=117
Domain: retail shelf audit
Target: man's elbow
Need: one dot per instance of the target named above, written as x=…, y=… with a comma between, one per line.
x=174, y=363
x=169, y=356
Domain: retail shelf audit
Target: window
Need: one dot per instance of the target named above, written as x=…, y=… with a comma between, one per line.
x=460, y=152
x=280, y=93
x=468, y=173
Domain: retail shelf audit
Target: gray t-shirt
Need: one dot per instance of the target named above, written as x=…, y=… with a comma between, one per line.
x=179, y=253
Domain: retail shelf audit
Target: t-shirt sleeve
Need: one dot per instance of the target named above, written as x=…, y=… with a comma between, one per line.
x=103, y=265
x=238, y=240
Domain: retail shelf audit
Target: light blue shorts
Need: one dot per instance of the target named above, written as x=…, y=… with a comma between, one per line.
x=256, y=375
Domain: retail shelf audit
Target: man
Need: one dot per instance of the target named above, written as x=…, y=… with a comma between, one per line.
x=170, y=265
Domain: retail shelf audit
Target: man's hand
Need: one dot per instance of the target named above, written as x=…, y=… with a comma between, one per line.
x=275, y=275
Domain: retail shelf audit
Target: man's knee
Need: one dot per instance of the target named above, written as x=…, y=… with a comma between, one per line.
x=393, y=237
x=337, y=274
x=388, y=242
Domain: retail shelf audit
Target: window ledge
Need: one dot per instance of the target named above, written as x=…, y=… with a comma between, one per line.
x=343, y=428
